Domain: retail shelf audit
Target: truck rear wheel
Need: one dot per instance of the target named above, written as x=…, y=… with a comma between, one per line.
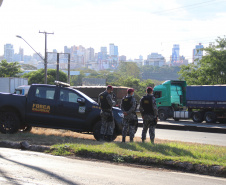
x=210, y=117
x=9, y=122
x=197, y=117
x=96, y=132
x=162, y=115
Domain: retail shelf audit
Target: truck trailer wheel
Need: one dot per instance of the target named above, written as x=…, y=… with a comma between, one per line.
x=197, y=117
x=210, y=117
x=9, y=122
x=162, y=115
x=96, y=132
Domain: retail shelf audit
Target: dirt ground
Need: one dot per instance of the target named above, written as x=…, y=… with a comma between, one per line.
x=44, y=136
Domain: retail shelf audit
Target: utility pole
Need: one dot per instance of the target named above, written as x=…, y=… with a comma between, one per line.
x=45, y=61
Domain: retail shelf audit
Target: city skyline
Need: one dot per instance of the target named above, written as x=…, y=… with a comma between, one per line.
x=65, y=49
x=137, y=28
x=80, y=54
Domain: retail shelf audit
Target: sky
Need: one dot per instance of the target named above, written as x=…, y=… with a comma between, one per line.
x=136, y=27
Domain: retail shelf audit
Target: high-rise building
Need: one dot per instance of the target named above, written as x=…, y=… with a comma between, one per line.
x=21, y=52
x=181, y=61
x=37, y=57
x=67, y=50
x=52, y=57
x=103, y=50
x=155, y=59
x=90, y=54
x=116, y=50
x=197, y=53
x=18, y=56
x=122, y=58
x=113, y=50
x=175, y=53
x=102, y=55
x=8, y=52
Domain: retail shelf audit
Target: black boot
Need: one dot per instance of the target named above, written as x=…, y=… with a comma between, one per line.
x=131, y=139
x=123, y=139
x=101, y=137
x=109, y=138
x=143, y=140
x=152, y=141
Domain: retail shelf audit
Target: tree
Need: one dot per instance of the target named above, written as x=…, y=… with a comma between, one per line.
x=28, y=67
x=11, y=69
x=37, y=77
x=160, y=73
x=135, y=83
x=211, y=69
x=129, y=69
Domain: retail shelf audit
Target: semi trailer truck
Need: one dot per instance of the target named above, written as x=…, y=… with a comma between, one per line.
x=176, y=100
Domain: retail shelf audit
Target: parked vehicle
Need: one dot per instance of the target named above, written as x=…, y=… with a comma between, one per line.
x=177, y=100
x=94, y=91
x=53, y=106
x=23, y=90
x=9, y=84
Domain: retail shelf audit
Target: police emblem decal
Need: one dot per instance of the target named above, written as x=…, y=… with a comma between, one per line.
x=82, y=109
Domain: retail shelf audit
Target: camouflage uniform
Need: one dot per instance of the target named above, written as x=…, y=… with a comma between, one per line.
x=129, y=119
x=108, y=125
x=149, y=120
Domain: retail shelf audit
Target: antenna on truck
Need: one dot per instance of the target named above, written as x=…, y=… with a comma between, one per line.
x=62, y=84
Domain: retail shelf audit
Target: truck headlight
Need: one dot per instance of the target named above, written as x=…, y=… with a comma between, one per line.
x=121, y=114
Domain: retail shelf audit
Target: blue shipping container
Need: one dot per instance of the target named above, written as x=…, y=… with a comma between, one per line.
x=206, y=93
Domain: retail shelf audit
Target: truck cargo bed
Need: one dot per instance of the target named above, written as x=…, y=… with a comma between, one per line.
x=213, y=96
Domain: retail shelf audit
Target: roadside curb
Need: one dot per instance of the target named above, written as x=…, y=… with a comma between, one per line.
x=214, y=170
x=189, y=128
x=24, y=145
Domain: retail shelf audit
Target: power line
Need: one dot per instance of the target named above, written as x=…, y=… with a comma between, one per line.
x=188, y=7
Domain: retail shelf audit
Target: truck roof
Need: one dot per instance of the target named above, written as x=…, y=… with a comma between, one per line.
x=99, y=87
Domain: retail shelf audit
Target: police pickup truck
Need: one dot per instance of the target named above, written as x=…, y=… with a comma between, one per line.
x=53, y=106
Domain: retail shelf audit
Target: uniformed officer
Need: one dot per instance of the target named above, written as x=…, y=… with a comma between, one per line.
x=128, y=107
x=106, y=103
x=149, y=114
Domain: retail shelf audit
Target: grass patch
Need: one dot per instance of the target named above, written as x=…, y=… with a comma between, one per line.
x=170, y=151
x=66, y=143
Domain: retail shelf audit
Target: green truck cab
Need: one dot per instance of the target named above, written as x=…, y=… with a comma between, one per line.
x=170, y=96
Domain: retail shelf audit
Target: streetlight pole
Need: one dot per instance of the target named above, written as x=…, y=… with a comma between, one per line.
x=45, y=61
x=31, y=47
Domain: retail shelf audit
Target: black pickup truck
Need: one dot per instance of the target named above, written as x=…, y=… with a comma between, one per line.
x=53, y=106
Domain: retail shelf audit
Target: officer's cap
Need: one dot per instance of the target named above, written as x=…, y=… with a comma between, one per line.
x=130, y=90
x=109, y=87
x=149, y=89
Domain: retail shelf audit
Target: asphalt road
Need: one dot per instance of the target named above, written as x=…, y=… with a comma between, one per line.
x=188, y=136
x=23, y=167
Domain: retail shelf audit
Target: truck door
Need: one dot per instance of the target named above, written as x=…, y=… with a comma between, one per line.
x=69, y=112
x=41, y=105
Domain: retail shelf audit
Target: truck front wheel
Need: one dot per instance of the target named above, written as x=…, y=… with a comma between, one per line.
x=162, y=115
x=197, y=117
x=96, y=132
x=9, y=122
x=210, y=117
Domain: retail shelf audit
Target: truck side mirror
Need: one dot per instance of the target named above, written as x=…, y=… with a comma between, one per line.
x=81, y=100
